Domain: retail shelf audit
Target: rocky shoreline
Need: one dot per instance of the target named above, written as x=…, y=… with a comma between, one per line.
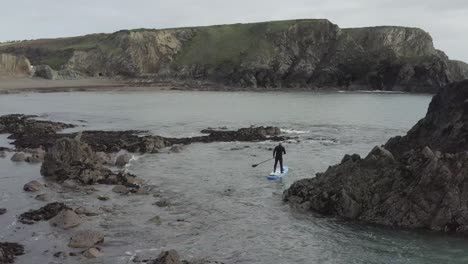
x=418, y=181
x=77, y=161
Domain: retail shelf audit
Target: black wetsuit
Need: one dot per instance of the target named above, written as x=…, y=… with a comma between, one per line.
x=278, y=155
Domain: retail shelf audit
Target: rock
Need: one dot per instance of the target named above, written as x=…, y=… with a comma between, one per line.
x=155, y=220
x=2, y=154
x=45, y=71
x=33, y=186
x=45, y=197
x=34, y=159
x=104, y=158
x=86, y=239
x=123, y=160
x=162, y=203
x=416, y=181
x=85, y=211
x=18, y=157
x=103, y=197
x=176, y=149
x=66, y=219
x=71, y=159
x=42, y=214
x=3, y=211
x=167, y=257
x=9, y=251
x=120, y=189
x=70, y=184
x=92, y=253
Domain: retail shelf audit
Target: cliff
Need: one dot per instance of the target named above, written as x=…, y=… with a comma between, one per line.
x=295, y=53
x=14, y=65
x=415, y=181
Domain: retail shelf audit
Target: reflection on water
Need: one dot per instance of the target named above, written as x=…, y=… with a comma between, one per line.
x=219, y=207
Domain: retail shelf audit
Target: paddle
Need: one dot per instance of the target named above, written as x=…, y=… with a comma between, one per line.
x=255, y=165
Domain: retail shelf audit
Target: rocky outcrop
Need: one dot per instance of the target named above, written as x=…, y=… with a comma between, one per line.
x=71, y=159
x=416, y=181
x=19, y=125
x=313, y=53
x=9, y=251
x=14, y=65
x=42, y=214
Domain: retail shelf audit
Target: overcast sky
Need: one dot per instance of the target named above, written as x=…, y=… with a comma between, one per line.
x=445, y=20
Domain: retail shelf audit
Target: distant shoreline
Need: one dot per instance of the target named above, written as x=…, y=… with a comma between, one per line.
x=15, y=85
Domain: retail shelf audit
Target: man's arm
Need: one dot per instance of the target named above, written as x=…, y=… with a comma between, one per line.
x=284, y=150
x=274, y=151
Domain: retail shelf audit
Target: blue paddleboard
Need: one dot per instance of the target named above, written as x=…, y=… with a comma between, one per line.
x=277, y=174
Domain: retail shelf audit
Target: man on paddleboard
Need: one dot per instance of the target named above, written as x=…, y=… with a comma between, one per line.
x=278, y=155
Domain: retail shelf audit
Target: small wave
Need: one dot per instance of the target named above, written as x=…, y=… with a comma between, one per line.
x=293, y=131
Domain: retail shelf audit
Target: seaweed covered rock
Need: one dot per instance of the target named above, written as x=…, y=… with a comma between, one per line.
x=416, y=181
x=9, y=251
x=42, y=214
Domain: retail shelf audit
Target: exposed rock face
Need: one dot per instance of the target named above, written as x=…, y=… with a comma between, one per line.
x=297, y=53
x=8, y=252
x=415, y=181
x=44, y=71
x=14, y=65
x=42, y=214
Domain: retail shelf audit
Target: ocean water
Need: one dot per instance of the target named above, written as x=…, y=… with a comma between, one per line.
x=220, y=208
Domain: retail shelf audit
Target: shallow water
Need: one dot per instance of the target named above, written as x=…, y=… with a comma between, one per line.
x=222, y=208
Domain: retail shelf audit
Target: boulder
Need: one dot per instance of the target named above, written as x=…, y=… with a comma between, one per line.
x=120, y=189
x=66, y=219
x=18, y=157
x=86, y=239
x=123, y=160
x=92, y=253
x=45, y=71
x=34, y=159
x=85, y=211
x=176, y=149
x=3, y=211
x=45, y=197
x=33, y=186
x=167, y=257
x=416, y=181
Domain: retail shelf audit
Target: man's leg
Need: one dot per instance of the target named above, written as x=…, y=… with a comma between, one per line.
x=281, y=165
x=276, y=163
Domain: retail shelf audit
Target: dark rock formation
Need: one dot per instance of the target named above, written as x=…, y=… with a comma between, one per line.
x=416, y=181
x=133, y=141
x=313, y=53
x=9, y=251
x=3, y=211
x=42, y=214
x=19, y=125
x=71, y=159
